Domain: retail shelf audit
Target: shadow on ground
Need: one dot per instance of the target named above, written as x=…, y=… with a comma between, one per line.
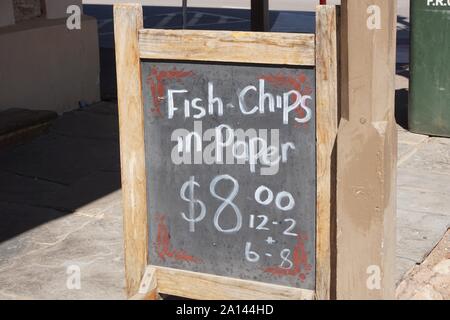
x=401, y=108
x=74, y=164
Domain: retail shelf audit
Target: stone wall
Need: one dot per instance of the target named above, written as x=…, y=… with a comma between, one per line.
x=26, y=9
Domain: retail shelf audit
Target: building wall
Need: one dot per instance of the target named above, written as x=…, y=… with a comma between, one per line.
x=46, y=66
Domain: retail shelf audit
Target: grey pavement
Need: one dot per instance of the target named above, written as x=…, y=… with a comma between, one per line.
x=60, y=206
x=423, y=193
x=423, y=188
x=60, y=199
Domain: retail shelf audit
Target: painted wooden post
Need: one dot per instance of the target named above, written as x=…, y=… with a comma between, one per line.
x=260, y=15
x=128, y=20
x=366, y=176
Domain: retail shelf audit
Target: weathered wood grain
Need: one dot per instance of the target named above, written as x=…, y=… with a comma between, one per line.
x=210, y=287
x=127, y=21
x=327, y=122
x=228, y=46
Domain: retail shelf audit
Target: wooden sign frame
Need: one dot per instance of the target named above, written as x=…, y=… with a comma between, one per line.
x=133, y=43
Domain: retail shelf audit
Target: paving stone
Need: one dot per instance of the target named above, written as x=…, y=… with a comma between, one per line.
x=57, y=224
x=404, y=150
x=56, y=229
x=102, y=205
x=90, y=194
x=419, y=179
x=418, y=233
x=411, y=138
x=94, y=247
x=103, y=108
x=26, y=229
x=15, y=247
x=434, y=156
x=61, y=159
x=414, y=199
x=17, y=219
x=86, y=124
x=15, y=119
x=24, y=190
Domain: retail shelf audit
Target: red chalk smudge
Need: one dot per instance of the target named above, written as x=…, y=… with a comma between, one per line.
x=301, y=266
x=301, y=83
x=163, y=245
x=155, y=81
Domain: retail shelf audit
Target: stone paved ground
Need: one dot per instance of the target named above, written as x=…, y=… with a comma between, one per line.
x=60, y=206
x=423, y=213
x=423, y=188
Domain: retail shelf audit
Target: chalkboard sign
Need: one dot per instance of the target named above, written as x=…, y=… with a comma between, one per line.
x=226, y=140
x=231, y=160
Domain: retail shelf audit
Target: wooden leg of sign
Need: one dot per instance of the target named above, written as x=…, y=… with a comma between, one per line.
x=260, y=15
x=127, y=21
x=148, y=290
x=366, y=177
x=327, y=122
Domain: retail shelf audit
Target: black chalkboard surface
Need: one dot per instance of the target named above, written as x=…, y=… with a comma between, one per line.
x=231, y=169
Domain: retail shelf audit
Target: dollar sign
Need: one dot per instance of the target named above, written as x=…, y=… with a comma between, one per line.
x=192, y=219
